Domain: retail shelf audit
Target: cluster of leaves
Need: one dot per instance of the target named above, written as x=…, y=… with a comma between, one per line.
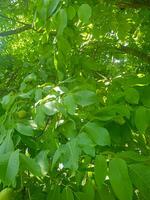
x=75, y=105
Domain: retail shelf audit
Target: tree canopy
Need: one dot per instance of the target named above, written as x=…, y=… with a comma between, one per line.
x=75, y=99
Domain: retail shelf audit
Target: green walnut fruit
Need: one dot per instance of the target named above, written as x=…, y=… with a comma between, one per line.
x=6, y=194
x=21, y=114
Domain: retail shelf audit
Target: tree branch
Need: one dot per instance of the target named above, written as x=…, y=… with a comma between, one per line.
x=136, y=5
x=135, y=52
x=16, y=31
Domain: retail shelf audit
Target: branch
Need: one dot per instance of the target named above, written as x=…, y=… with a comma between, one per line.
x=135, y=52
x=125, y=5
x=16, y=31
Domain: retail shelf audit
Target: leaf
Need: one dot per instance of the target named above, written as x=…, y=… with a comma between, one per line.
x=119, y=179
x=100, y=170
x=50, y=108
x=4, y=158
x=30, y=77
x=54, y=194
x=12, y=168
x=53, y=6
x=30, y=164
x=132, y=96
x=85, y=97
x=132, y=156
x=140, y=176
x=145, y=96
x=7, y=101
x=86, y=144
x=67, y=194
x=40, y=116
x=87, y=193
x=142, y=118
x=71, y=155
x=7, y=145
x=38, y=94
x=68, y=129
x=84, y=13
x=70, y=104
x=42, y=159
x=106, y=193
x=68, y=154
x=62, y=21
x=24, y=129
x=71, y=12
x=98, y=135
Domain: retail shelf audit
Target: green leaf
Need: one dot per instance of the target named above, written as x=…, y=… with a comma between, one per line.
x=54, y=194
x=98, y=134
x=71, y=12
x=70, y=104
x=86, y=144
x=42, y=159
x=4, y=158
x=12, y=168
x=7, y=145
x=100, y=170
x=145, y=96
x=142, y=118
x=85, y=97
x=30, y=164
x=71, y=155
x=84, y=13
x=50, y=108
x=140, y=176
x=133, y=156
x=62, y=21
x=53, y=6
x=24, y=129
x=132, y=96
x=106, y=193
x=30, y=77
x=67, y=194
x=68, y=154
x=40, y=116
x=68, y=129
x=119, y=179
x=87, y=193
x=38, y=94
x=7, y=101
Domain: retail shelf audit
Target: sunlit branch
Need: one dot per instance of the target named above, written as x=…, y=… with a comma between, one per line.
x=16, y=31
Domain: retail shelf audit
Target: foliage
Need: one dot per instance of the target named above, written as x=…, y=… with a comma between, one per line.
x=75, y=99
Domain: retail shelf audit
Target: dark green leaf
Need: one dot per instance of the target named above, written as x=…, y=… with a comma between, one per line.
x=142, y=118
x=100, y=170
x=30, y=164
x=132, y=96
x=119, y=179
x=140, y=176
